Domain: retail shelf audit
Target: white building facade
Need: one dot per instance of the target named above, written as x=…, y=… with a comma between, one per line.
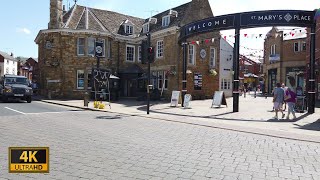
x=8, y=64
x=226, y=68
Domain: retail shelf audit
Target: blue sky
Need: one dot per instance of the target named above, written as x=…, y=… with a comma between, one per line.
x=21, y=20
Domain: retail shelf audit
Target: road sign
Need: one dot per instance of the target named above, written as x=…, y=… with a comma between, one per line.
x=28, y=159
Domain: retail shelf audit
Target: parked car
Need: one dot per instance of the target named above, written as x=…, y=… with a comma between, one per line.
x=15, y=87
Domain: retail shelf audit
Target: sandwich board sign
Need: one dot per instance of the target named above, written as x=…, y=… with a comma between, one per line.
x=175, y=98
x=187, y=99
x=219, y=99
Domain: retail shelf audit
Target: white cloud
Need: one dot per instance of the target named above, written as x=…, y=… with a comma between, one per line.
x=24, y=30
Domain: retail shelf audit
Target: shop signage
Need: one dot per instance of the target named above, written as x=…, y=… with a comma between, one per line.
x=99, y=48
x=175, y=97
x=219, y=99
x=187, y=99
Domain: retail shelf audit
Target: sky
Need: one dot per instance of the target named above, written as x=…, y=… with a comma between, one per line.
x=21, y=20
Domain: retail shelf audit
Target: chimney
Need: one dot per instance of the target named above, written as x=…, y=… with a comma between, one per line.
x=56, y=12
x=11, y=54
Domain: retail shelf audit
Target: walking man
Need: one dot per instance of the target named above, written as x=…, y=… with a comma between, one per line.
x=278, y=98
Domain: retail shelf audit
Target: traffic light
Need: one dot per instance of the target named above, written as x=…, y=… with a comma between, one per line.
x=151, y=54
x=144, y=52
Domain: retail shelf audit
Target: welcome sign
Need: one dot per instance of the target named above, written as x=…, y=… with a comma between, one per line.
x=249, y=20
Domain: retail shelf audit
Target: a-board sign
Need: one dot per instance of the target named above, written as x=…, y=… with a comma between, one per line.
x=187, y=99
x=219, y=99
x=28, y=159
x=175, y=98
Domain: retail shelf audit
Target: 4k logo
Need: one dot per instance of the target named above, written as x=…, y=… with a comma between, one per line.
x=28, y=159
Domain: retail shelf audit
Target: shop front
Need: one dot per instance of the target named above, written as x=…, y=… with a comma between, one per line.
x=272, y=80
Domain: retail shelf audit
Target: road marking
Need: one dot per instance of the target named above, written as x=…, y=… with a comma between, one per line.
x=15, y=110
x=59, y=112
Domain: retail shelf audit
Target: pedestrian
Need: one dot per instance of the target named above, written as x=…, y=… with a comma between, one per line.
x=284, y=88
x=278, y=98
x=290, y=97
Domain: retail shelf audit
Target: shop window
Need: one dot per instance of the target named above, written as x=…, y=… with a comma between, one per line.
x=80, y=79
x=89, y=79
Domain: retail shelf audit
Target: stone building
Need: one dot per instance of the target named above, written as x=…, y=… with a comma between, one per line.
x=66, y=51
x=284, y=60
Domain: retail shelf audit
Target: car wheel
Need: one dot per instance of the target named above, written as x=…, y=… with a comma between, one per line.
x=29, y=99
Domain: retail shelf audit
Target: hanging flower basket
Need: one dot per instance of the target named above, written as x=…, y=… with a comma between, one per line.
x=213, y=72
x=173, y=73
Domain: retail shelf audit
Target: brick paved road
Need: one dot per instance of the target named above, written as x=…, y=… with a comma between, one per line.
x=94, y=145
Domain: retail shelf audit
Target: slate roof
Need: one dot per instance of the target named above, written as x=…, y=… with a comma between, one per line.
x=7, y=56
x=81, y=17
x=174, y=21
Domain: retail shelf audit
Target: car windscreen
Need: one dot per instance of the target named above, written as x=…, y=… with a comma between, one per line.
x=16, y=80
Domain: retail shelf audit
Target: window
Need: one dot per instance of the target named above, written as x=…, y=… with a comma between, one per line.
x=296, y=47
x=139, y=54
x=154, y=79
x=212, y=61
x=81, y=46
x=160, y=79
x=7, y=61
x=165, y=80
x=159, y=49
x=273, y=49
x=165, y=21
x=91, y=46
x=7, y=70
x=13, y=71
x=225, y=84
x=303, y=46
x=80, y=79
x=191, y=55
x=146, y=28
x=89, y=79
x=130, y=53
x=129, y=29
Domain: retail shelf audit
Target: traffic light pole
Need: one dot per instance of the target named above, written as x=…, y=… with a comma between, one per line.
x=311, y=84
x=184, y=72
x=149, y=78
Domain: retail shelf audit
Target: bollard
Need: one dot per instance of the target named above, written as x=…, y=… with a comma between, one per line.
x=255, y=93
x=265, y=95
x=86, y=99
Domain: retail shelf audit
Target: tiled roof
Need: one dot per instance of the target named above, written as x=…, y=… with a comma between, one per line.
x=7, y=56
x=174, y=21
x=102, y=20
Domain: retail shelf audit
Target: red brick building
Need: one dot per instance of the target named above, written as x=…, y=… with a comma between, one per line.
x=317, y=57
x=29, y=68
x=249, y=71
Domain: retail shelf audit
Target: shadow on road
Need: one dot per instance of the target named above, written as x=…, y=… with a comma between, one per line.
x=315, y=126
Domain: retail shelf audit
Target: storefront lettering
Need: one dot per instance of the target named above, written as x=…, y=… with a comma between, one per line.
x=208, y=24
x=302, y=18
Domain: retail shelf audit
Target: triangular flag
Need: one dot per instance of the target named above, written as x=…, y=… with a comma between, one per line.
x=193, y=42
x=225, y=37
x=206, y=41
x=245, y=35
x=260, y=35
x=277, y=35
x=292, y=34
x=212, y=40
x=197, y=42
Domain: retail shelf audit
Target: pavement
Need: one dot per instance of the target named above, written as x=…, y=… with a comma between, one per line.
x=254, y=116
